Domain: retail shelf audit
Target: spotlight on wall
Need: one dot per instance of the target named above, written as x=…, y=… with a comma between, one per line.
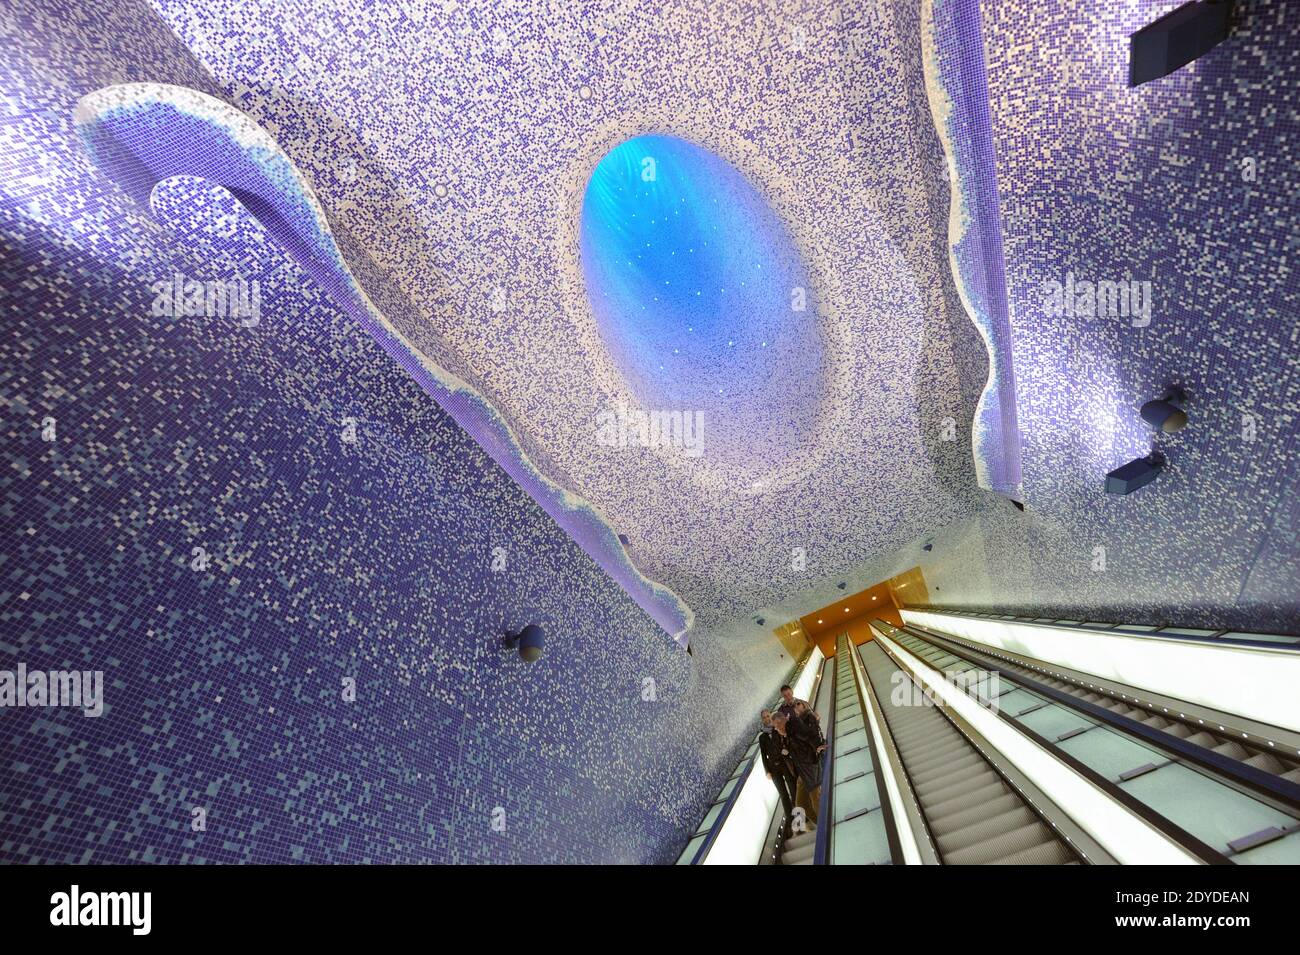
x=1137, y=473
x=1177, y=38
x=1164, y=414
x=529, y=641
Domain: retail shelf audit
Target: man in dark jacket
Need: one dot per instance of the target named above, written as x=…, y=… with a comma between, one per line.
x=803, y=714
x=778, y=768
x=802, y=745
x=789, y=701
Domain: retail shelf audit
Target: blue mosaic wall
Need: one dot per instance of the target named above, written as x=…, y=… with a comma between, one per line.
x=240, y=517
x=1189, y=183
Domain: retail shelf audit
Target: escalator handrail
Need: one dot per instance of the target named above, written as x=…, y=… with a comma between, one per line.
x=878, y=759
x=822, y=845
x=1171, y=830
x=1259, y=780
x=1216, y=638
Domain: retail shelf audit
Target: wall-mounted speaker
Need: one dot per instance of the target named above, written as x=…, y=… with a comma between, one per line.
x=1177, y=38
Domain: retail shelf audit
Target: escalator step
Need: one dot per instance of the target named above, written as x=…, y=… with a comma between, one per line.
x=933, y=758
x=942, y=788
x=948, y=771
x=990, y=827
x=1052, y=852
x=965, y=800
x=802, y=839
x=937, y=748
x=1001, y=846
x=795, y=856
x=1232, y=749
x=1270, y=764
x=962, y=818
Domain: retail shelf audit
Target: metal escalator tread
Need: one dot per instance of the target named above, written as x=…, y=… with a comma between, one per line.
x=1000, y=845
x=795, y=856
x=988, y=827
x=940, y=749
x=938, y=801
x=1270, y=764
x=1051, y=852
x=975, y=817
x=929, y=769
x=961, y=818
x=799, y=849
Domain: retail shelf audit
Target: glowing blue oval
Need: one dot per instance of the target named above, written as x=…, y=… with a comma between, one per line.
x=700, y=295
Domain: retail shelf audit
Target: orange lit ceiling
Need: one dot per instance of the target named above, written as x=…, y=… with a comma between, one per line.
x=834, y=616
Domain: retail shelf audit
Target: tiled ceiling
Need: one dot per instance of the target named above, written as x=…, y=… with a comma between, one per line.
x=452, y=148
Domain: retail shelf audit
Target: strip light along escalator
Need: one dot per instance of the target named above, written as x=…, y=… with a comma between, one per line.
x=1252, y=675
x=856, y=823
x=729, y=834
x=1185, y=778
x=1265, y=757
x=974, y=815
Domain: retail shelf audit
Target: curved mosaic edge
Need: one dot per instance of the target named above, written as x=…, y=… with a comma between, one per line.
x=139, y=134
x=957, y=89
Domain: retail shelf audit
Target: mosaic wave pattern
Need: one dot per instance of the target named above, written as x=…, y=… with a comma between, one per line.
x=237, y=517
x=1190, y=183
x=141, y=134
x=958, y=87
x=455, y=149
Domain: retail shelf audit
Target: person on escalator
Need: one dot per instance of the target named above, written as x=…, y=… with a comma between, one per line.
x=777, y=766
x=802, y=747
x=779, y=769
x=808, y=718
x=789, y=701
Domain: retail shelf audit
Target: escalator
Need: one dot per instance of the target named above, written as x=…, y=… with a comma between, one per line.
x=974, y=815
x=800, y=847
x=1260, y=756
x=1213, y=809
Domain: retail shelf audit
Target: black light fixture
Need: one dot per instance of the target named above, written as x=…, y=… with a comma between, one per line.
x=1177, y=38
x=1164, y=414
x=1137, y=473
x=529, y=642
